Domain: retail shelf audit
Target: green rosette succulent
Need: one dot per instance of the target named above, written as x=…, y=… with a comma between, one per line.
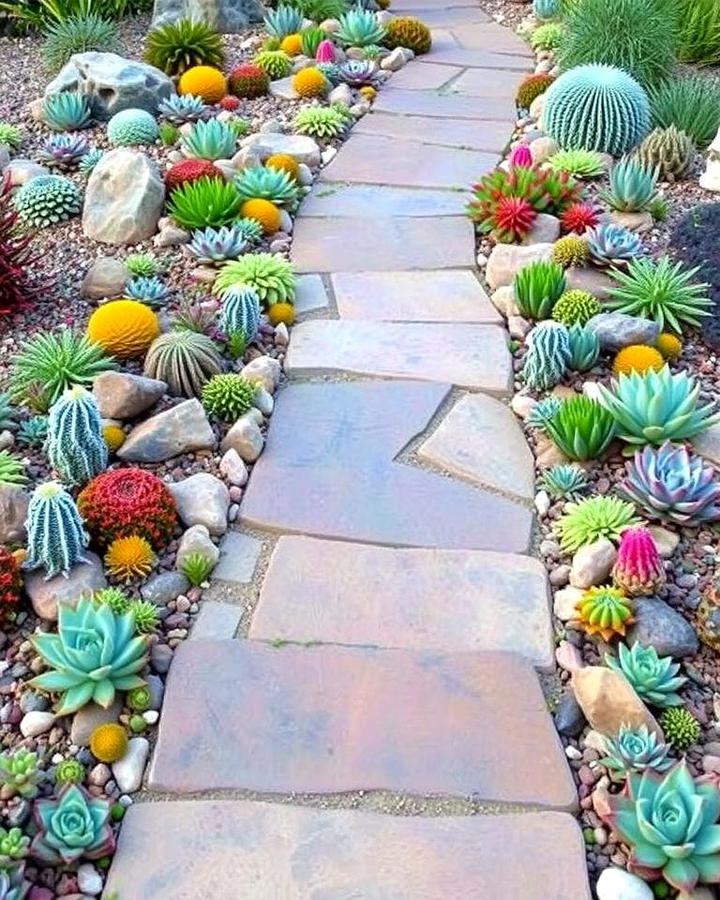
x=72, y=826
x=94, y=654
x=653, y=677
x=20, y=773
x=13, y=847
x=634, y=750
x=670, y=824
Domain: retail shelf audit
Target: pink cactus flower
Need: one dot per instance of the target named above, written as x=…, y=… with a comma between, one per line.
x=639, y=570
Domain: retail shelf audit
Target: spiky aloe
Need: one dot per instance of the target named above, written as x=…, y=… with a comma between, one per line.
x=582, y=429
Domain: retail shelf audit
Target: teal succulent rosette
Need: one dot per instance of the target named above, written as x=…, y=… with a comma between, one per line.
x=670, y=824
x=72, y=826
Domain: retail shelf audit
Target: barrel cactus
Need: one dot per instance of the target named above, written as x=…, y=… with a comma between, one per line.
x=240, y=311
x=184, y=360
x=130, y=127
x=668, y=150
x=56, y=537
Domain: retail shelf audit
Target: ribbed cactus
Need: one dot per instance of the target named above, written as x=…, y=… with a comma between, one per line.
x=547, y=357
x=669, y=150
x=240, y=313
x=596, y=107
x=75, y=445
x=56, y=537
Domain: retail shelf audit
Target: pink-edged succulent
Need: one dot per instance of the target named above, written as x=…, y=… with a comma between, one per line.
x=670, y=824
x=72, y=826
x=639, y=570
x=520, y=156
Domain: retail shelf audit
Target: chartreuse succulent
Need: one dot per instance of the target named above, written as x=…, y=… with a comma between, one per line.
x=196, y=567
x=581, y=428
x=604, y=611
x=145, y=615
x=654, y=678
x=10, y=136
x=75, y=446
x=680, y=726
x=117, y=600
x=670, y=824
x=20, y=773
x=13, y=846
x=56, y=536
x=579, y=163
x=269, y=274
x=635, y=750
x=576, y=307
x=547, y=356
x=589, y=520
x=571, y=250
x=564, y=481
x=656, y=407
x=72, y=826
x=228, y=396
x=175, y=47
x=12, y=470
x=93, y=655
x=275, y=63
x=142, y=265
x=69, y=771
x=324, y=122
x=537, y=288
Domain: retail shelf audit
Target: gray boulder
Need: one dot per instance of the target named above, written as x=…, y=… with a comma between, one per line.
x=121, y=395
x=124, y=198
x=658, y=625
x=112, y=83
x=14, y=503
x=616, y=330
x=182, y=429
x=81, y=581
x=226, y=16
x=202, y=499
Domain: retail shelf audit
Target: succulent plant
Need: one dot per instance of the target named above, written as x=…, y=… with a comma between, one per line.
x=537, y=287
x=148, y=290
x=544, y=410
x=240, y=312
x=563, y=482
x=212, y=246
x=547, y=356
x=79, y=33
x=10, y=136
x=47, y=200
x=62, y=151
x=12, y=882
x=667, y=151
x=681, y=728
x=228, y=396
x=578, y=218
x=207, y=202
x=128, y=558
x=576, y=307
x=323, y=122
x=67, y=111
x=56, y=537
x=310, y=82
x=637, y=358
x=582, y=429
x=520, y=155
x=32, y=432
x=275, y=63
x=145, y=614
x=331, y=71
x=589, y=520
x=20, y=773
x=69, y=771
x=7, y=413
x=604, y=611
x=88, y=162
x=283, y=20
x=584, y=348
x=249, y=80
x=209, y=140
x=206, y=82
x=123, y=328
x=571, y=250
x=185, y=360
x=359, y=27
x=269, y=274
x=265, y=183
x=196, y=567
x=175, y=47
x=656, y=407
x=71, y=827
x=632, y=186
x=638, y=570
x=359, y=72
x=407, y=31
x=669, y=345
x=613, y=245
x=655, y=679
x=142, y=265
x=139, y=699
x=635, y=750
x=116, y=599
x=13, y=847
x=531, y=87
x=181, y=108
x=131, y=127
x=93, y=655
x=75, y=446
x=579, y=163
x=12, y=470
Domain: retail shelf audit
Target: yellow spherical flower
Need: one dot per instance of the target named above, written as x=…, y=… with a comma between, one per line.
x=368, y=92
x=264, y=212
x=669, y=345
x=638, y=358
x=109, y=742
x=292, y=45
x=124, y=328
x=310, y=82
x=284, y=162
x=129, y=557
x=203, y=81
x=114, y=437
x=281, y=312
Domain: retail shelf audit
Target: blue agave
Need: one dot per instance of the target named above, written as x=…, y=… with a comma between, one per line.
x=274, y=185
x=215, y=245
x=148, y=290
x=584, y=348
x=181, y=108
x=210, y=140
x=613, y=245
x=632, y=186
x=360, y=28
x=543, y=411
x=283, y=20
x=67, y=111
x=564, y=482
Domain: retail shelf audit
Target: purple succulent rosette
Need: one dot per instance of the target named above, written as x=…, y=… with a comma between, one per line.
x=72, y=826
x=670, y=824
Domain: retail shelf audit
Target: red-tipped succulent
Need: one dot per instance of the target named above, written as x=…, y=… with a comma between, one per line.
x=639, y=570
x=16, y=257
x=578, y=218
x=10, y=585
x=513, y=219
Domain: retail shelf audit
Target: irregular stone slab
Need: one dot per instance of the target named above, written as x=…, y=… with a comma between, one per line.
x=492, y=38
x=458, y=15
x=480, y=439
x=121, y=395
x=445, y=600
x=106, y=277
x=310, y=294
x=371, y=159
x=14, y=502
x=332, y=447
x=348, y=245
x=216, y=621
x=82, y=581
x=202, y=499
x=444, y=106
x=474, y=356
x=238, y=558
x=658, y=625
x=251, y=716
x=226, y=16
x=466, y=58
x=450, y=296
x=485, y=82
x=182, y=429
x=707, y=444
x=506, y=260
x=196, y=540
x=294, y=853
x=608, y=701
x=491, y=137
x=424, y=78
x=373, y=202
x=301, y=148
x=616, y=330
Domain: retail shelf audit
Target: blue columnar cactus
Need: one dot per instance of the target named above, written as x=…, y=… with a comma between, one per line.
x=596, y=107
x=75, y=445
x=240, y=311
x=130, y=127
x=56, y=537
x=548, y=355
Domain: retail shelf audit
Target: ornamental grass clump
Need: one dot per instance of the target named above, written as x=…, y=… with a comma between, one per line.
x=604, y=611
x=690, y=103
x=537, y=287
x=589, y=520
x=581, y=428
x=634, y=750
x=655, y=679
x=79, y=34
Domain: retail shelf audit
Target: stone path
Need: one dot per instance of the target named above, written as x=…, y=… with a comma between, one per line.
x=359, y=698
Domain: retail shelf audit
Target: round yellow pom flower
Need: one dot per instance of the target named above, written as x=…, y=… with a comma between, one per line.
x=669, y=345
x=285, y=163
x=310, y=82
x=639, y=358
x=292, y=45
x=114, y=437
x=204, y=81
x=281, y=312
x=129, y=557
x=124, y=328
x=109, y=742
x=264, y=212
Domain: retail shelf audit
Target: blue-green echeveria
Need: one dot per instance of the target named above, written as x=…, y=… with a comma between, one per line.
x=634, y=750
x=670, y=824
x=94, y=654
x=72, y=826
x=654, y=678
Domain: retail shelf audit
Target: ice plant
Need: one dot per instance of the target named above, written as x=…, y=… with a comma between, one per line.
x=72, y=827
x=639, y=570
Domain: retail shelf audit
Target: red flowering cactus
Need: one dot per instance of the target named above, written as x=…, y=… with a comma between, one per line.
x=10, y=585
x=190, y=170
x=520, y=156
x=578, y=218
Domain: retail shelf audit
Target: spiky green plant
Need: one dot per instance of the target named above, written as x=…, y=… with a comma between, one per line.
x=654, y=678
x=284, y=20
x=67, y=111
x=589, y=520
x=538, y=286
x=632, y=186
x=7, y=414
x=680, y=727
x=78, y=34
x=564, y=482
x=310, y=40
x=634, y=750
x=196, y=567
x=584, y=348
x=184, y=360
x=142, y=265
x=690, y=103
x=117, y=600
x=359, y=28
x=270, y=275
x=579, y=163
x=604, y=612
x=323, y=122
x=699, y=38
x=175, y=47
x=547, y=36
x=275, y=63
x=582, y=428
x=207, y=202
x=33, y=431
x=10, y=136
x=145, y=615
x=576, y=307
x=211, y=140
x=12, y=470
x=228, y=396
x=20, y=773
x=168, y=134
x=659, y=208
x=266, y=183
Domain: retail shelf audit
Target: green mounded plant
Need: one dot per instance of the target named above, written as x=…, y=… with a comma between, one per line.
x=168, y=134
x=543, y=411
x=239, y=127
x=142, y=265
x=659, y=208
x=12, y=470
x=139, y=699
x=605, y=612
x=132, y=127
x=10, y=136
x=323, y=122
x=699, y=32
x=570, y=250
x=579, y=163
x=548, y=36
x=145, y=616
x=78, y=34
x=196, y=567
x=49, y=364
x=284, y=20
x=319, y=10
x=547, y=356
x=538, y=286
x=13, y=846
x=177, y=46
x=275, y=63
x=75, y=445
x=228, y=396
x=670, y=824
x=269, y=274
x=632, y=186
x=691, y=103
x=359, y=28
x=530, y=87
x=654, y=678
x=117, y=600
x=47, y=200
x=211, y=140
x=185, y=360
x=207, y=202
x=582, y=429
x=93, y=655
x=660, y=290
x=564, y=481
x=668, y=151
x=634, y=750
x=56, y=535
x=67, y=111
x=20, y=773
x=72, y=826
x=32, y=432
x=267, y=183
x=589, y=520
x=69, y=771
x=584, y=348
x=7, y=413
x=576, y=307
x=680, y=726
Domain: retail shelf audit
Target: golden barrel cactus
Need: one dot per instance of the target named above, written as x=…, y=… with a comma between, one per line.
x=129, y=557
x=204, y=81
x=310, y=82
x=264, y=212
x=285, y=163
x=124, y=328
x=638, y=358
x=292, y=45
x=669, y=345
x=108, y=742
x=407, y=31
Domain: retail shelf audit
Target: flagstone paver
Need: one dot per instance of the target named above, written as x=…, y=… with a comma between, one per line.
x=324, y=719
x=493, y=58
x=490, y=37
x=310, y=294
x=424, y=78
x=456, y=15
x=216, y=621
x=444, y=106
x=329, y=470
x=371, y=201
x=238, y=558
x=445, y=600
x=468, y=355
x=484, y=83
x=490, y=136
x=447, y=296
x=267, y=851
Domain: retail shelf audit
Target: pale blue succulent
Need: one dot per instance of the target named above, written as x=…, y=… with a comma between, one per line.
x=547, y=9
x=359, y=28
x=210, y=140
x=181, y=108
x=148, y=290
x=62, y=151
x=654, y=678
x=75, y=445
x=12, y=882
x=215, y=245
x=543, y=411
x=331, y=71
x=72, y=826
x=67, y=111
x=56, y=536
x=611, y=244
x=90, y=160
x=358, y=73
x=634, y=750
x=250, y=229
x=131, y=127
x=240, y=312
x=274, y=185
x=584, y=348
x=632, y=186
x=547, y=356
x=283, y=20
x=566, y=481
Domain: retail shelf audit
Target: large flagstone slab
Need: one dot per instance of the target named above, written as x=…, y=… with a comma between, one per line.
x=484, y=83
x=372, y=201
x=374, y=159
x=489, y=37
x=489, y=136
x=468, y=355
x=447, y=17
x=239, y=850
x=464, y=57
x=246, y=715
x=350, y=245
x=425, y=78
x=445, y=106
x=445, y=600
x=453, y=295
x=329, y=469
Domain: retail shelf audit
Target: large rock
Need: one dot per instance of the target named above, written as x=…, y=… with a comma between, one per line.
x=659, y=626
x=106, y=277
x=617, y=884
x=301, y=148
x=82, y=581
x=616, y=330
x=707, y=444
x=226, y=16
x=506, y=260
x=595, y=281
x=124, y=198
x=120, y=395
x=112, y=83
x=182, y=429
x=202, y=499
x=87, y=719
x=196, y=540
x=592, y=564
x=609, y=701
x=13, y=512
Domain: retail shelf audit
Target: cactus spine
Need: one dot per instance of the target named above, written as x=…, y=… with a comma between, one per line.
x=240, y=311
x=75, y=445
x=547, y=357
x=56, y=537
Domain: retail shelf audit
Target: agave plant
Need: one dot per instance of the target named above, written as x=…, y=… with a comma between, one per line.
x=669, y=823
x=88, y=162
x=564, y=482
x=579, y=163
x=150, y=291
x=613, y=245
x=582, y=429
x=360, y=28
x=283, y=20
x=215, y=245
x=181, y=108
x=175, y=47
x=656, y=407
x=264, y=182
x=538, y=287
x=654, y=678
x=207, y=202
x=63, y=151
x=672, y=485
x=209, y=140
x=359, y=73
x=632, y=186
x=72, y=826
x=93, y=655
x=589, y=520
x=543, y=411
x=635, y=750
x=584, y=348
x=67, y=111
